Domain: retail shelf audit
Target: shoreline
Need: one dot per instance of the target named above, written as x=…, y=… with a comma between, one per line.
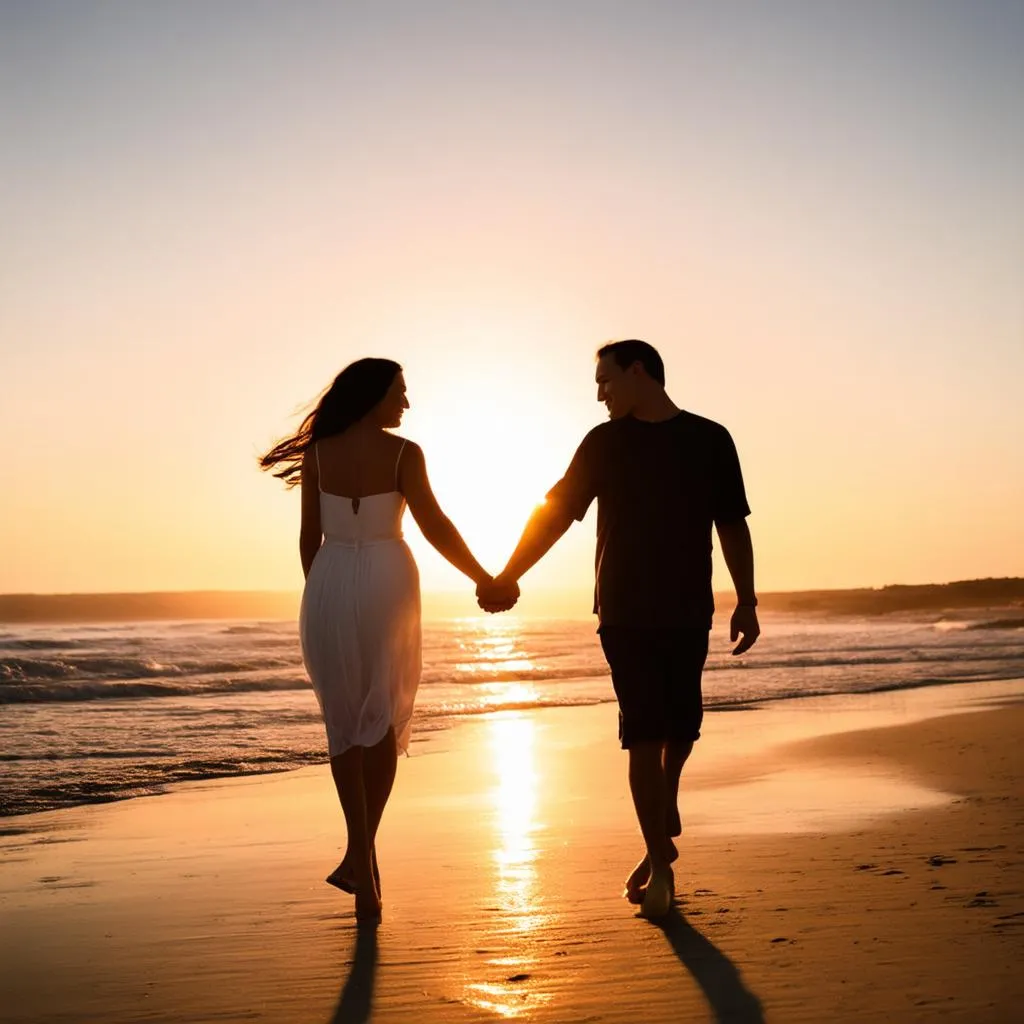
x=424, y=733
x=859, y=860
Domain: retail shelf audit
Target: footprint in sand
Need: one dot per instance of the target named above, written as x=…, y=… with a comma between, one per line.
x=982, y=899
x=63, y=882
x=1010, y=920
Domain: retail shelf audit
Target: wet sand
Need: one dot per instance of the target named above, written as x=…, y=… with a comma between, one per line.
x=851, y=858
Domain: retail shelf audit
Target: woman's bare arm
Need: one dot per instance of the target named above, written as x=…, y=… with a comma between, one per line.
x=310, y=532
x=436, y=526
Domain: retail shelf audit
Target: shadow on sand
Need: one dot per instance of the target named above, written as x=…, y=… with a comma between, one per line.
x=731, y=1001
x=356, y=1001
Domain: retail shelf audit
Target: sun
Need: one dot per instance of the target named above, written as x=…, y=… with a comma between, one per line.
x=490, y=462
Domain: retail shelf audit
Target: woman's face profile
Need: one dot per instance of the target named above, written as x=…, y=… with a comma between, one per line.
x=393, y=405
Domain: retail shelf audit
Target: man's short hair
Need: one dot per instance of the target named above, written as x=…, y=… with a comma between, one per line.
x=626, y=353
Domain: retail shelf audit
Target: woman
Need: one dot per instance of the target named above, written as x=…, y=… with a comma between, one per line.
x=360, y=618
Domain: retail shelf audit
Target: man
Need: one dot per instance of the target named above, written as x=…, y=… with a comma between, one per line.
x=661, y=477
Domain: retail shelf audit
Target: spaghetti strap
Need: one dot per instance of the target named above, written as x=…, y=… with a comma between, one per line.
x=398, y=460
x=316, y=455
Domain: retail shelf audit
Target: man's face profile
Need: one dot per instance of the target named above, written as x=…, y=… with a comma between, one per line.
x=616, y=387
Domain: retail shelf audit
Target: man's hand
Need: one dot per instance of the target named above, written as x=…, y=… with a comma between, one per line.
x=497, y=595
x=744, y=621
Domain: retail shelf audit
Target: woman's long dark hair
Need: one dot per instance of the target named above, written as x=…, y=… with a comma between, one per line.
x=353, y=393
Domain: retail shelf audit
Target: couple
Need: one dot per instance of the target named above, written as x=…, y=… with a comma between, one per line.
x=661, y=477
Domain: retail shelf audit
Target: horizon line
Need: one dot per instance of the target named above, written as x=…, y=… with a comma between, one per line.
x=546, y=591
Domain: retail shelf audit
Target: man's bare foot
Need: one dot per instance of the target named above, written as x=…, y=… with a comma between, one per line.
x=659, y=894
x=638, y=879
x=640, y=876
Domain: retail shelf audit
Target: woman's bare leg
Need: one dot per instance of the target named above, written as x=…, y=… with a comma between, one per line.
x=378, y=776
x=380, y=763
x=348, y=772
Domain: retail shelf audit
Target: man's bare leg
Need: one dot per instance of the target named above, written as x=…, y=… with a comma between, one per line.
x=647, y=783
x=674, y=758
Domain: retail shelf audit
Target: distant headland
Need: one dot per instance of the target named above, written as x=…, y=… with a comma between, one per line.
x=1007, y=593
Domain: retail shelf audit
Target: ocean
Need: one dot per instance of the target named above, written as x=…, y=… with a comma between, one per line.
x=109, y=711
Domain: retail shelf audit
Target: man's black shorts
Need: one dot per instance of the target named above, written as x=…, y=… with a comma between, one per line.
x=656, y=674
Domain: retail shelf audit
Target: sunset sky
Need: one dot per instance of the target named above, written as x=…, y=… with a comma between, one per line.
x=814, y=210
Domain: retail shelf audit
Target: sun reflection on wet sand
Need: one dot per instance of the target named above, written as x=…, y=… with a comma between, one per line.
x=519, y=904
x=516, y=803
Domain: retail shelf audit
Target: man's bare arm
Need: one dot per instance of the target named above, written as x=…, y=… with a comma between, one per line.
x=545, y=526
x=738, y=551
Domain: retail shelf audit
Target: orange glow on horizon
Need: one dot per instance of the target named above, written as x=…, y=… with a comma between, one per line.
x=164, y=318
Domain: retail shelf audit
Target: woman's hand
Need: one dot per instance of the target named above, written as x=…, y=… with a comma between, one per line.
x=497, y=594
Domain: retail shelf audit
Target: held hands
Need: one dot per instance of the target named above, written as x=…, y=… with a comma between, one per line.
x=497, y=594
x=744, y=621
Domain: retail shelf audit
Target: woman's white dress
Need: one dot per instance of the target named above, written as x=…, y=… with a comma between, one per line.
x=360, y=621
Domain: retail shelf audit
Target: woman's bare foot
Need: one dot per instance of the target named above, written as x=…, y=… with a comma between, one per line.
x=368, y=905
x=368, y=908
x=343, y=877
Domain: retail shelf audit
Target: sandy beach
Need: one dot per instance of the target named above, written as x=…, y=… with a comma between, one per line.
x=844, y=858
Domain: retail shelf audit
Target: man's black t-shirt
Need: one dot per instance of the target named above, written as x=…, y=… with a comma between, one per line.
x=659, y=487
